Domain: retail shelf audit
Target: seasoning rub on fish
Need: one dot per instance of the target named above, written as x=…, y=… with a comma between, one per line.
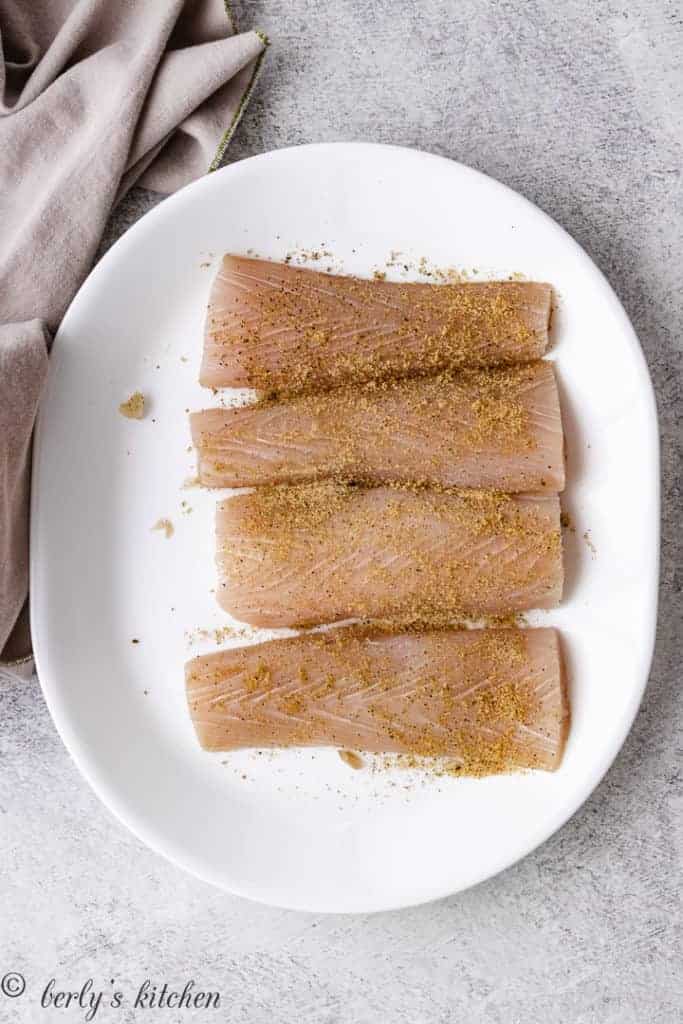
x=286, y=329
x=325, y=552
x=487, y=700
x=481, y=428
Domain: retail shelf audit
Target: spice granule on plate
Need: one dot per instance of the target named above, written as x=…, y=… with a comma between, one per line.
x=166, y=526
x=351, y=758
x=134, y=406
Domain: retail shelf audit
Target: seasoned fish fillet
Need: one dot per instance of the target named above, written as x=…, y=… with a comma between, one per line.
x=280, y=328
x=488, y=700
x=482, y=428
x=324, y=552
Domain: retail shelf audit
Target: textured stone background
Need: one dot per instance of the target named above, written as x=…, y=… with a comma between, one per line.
x=579, y=106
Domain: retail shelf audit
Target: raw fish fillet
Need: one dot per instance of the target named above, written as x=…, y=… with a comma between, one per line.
x=325, y=552
x=493, y=428
x=488, y=700
x=280, y=328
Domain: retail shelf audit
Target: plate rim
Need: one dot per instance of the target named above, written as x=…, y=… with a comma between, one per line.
x=48, y=680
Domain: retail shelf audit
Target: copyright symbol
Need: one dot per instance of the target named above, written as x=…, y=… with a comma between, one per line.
x=12, y=984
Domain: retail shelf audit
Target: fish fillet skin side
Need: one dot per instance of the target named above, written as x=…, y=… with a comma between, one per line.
x=489, y=700
x=275, y=327
x=499, y=429
x=325, y=552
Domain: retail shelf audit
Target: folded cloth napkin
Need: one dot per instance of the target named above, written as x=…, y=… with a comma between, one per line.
x=95, y=96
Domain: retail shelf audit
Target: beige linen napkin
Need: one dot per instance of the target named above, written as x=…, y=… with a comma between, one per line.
x=95, y=96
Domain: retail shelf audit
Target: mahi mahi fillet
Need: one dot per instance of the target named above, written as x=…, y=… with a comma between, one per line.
x=489, y=700
x=324, y=552
x=280, y=328
x=483, y=428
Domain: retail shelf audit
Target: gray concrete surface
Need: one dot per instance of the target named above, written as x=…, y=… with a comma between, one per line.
x=578, y=105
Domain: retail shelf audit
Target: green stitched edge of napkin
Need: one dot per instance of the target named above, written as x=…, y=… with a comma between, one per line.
x=17, y=662
x=230, y=131
x=229, y=16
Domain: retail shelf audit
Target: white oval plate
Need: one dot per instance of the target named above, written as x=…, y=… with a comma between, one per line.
x=299, y=828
